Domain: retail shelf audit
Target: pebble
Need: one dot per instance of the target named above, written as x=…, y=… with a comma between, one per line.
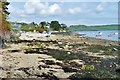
x=68, y=52
x=59, y=42
x=101, y=51
x=85, y=42
x=114, y=49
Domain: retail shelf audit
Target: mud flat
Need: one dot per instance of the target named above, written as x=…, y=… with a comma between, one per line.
x=62, y=56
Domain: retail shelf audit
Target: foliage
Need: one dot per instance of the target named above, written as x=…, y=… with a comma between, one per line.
x=87, y=28
x=5, y=25
x=55, y=25
x=32, y=26
x=39, y=29
x=63, y=25
x=43, y=24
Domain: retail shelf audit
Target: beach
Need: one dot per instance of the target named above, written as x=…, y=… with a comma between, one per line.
x=63, y=55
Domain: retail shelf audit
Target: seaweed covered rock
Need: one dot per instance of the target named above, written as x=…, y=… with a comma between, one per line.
x=49, y=76
x=92, y=74
x=76, y=63
x=69, y=69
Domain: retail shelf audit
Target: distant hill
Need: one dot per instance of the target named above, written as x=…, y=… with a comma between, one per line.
x=93, y=28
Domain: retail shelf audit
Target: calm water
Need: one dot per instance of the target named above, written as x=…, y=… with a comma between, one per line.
x=109, y=35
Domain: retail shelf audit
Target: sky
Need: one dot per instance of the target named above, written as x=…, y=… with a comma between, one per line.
x=69, y=12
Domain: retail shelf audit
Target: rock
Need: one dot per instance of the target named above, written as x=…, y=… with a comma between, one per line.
x=44, y=66
x=61, y=46
x=39, y=67
x=77, y=63
x=19, y=74
x=55, y=66
x=69, y=69
x=59, y=62
x=25, y=70
x=49, y=62
x=66, y=46
x=70, y=47
x=86, y=53
x=36, y=72
x=85, y=43
x=1, y=68
x=110, y=44
x=101, y=51
x=14, y=50
x=95, y=61
x=114, y=49
x=68, y=52
x=60, y=43
x=47, y=45
x=49, y=76
x=118, y=70
x=111, y=66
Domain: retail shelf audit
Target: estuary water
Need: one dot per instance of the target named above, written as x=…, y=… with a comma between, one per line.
x=107, y=34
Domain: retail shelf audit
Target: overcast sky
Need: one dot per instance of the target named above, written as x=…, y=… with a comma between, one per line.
x=70, y=13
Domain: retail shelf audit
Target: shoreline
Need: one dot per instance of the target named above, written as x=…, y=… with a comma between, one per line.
x=60, y=57
x=94, y=37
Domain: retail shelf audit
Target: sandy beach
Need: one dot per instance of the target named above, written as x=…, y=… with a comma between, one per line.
x=61, y=56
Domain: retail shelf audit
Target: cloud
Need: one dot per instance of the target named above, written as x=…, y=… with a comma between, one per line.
x=101, y=6
x=35, y=7
x=75, y=10
x=29, y=8
x=25, y=21
x=54, y=9
x=43, y=9
x=15, y=11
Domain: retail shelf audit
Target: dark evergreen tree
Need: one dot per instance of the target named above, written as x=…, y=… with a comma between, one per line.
x=55, y=25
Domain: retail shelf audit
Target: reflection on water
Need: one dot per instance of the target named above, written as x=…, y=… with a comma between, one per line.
x=109, y=35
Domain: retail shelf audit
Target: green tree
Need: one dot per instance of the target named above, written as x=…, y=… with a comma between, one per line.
x=5, y=25
x=64, y=27
x=43, y=25
x=32, y=26
x=23, y=26
x=55, y=25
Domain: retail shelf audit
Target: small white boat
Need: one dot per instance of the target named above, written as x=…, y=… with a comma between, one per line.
x=116, y=33
x=99, y=34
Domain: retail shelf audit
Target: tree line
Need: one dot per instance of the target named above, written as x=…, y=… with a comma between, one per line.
x=42, y=26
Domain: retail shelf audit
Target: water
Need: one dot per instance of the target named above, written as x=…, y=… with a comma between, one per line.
x=108, y=34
